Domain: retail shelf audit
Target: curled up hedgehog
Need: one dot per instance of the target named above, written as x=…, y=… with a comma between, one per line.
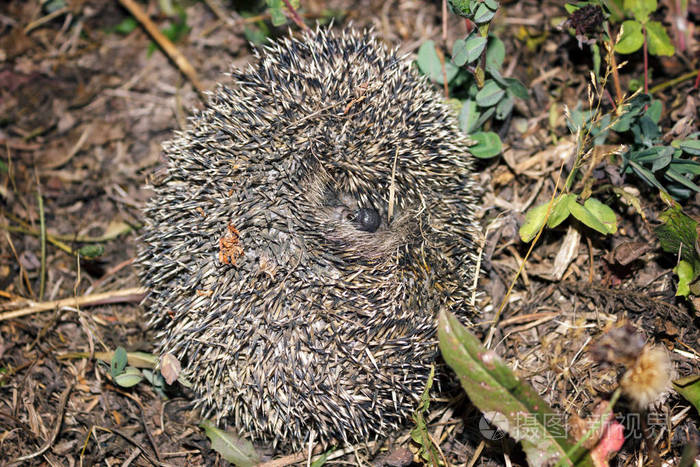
x=315, y=217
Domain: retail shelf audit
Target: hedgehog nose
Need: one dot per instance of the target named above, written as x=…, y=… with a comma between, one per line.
x=368, y=219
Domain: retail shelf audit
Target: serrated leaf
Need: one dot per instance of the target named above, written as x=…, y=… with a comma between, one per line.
x=631, y=39
x=595, y=215
x=657, y=39
x=684, y=271
x=679, y=232
x=460, y=7
x=493, y=388
x=689, y=388
x=488, y=144
x=490, y=94
x=420, y=433
x=130, y=377
x=560, y=210
x=535, y=218
x=118, y=362
x=429, y=63
x=230, y=446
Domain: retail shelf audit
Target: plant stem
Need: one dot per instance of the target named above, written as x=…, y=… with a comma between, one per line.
x=42, y=224
x=295, y=16
x=613, y=65
x=646, y=62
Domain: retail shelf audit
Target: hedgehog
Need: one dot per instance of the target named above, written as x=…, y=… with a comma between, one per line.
x=314, y=218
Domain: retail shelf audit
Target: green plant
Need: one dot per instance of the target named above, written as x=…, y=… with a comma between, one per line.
x=649, y=158
x=678, y=235
x=635, y=33
x=513, y=405
x=473, y=76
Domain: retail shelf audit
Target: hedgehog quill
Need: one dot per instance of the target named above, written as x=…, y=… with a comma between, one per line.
x=315, y=217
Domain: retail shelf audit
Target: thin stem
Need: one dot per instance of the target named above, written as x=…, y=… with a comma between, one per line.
x=613, y=65
x=295, y=16
x=646, y=62
x=42, y=227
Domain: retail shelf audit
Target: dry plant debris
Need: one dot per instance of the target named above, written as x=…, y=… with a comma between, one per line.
x=86, y=101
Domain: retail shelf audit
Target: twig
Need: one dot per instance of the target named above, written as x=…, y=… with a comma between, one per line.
x=674, y=81
x=301, y=456
x=133, y=294
x=42, y=238
x=43, y=20
x=143, y=417
x=56, y=429
x=295, y=16
x=132, y=441
x=168, y=47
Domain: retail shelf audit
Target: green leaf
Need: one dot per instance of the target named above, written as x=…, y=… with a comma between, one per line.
x=684, y=271
x=654, y=111
x=118, y=363
x=420, y=434
x=126, y=26
x=691, y=146
x=474, y=47
x=504, y=107
x=595, y=215
x=535, y=218
x=323, y=458
x=674, y=175
x=515, y=407
x=658, y=40
x=429, y=63
x=277, y=16
x=130, y=377
x=231, y=447
x=641, y=9
x=137, y=359
x=560, y=210
x=459, y=52
x=495, y=52
x=91, y=251
x=631, y=39
x=679, y=232
x=490, y=94
x=689, y=387
x=468, y=116
x=483, y=14
x=517, y=88
x=488, y=145
x=460, y=7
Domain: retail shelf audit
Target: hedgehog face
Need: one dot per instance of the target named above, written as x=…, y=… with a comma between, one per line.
x=316, y=216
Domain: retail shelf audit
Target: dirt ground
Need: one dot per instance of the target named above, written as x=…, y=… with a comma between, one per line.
x=85, y=103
